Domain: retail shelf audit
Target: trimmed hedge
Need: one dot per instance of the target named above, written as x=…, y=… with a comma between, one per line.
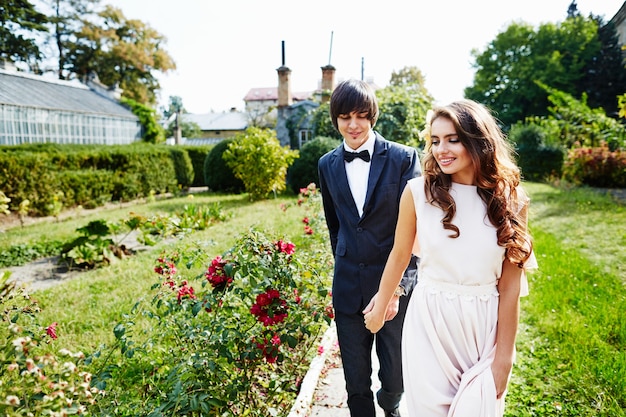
x=49, y=175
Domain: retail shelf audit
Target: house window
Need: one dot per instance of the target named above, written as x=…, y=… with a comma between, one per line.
x=304, y=136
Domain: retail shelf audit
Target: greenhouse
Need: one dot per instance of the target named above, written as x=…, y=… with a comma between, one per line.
x=34, y=109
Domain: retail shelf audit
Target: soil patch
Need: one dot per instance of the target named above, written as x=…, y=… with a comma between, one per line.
x=47, y=272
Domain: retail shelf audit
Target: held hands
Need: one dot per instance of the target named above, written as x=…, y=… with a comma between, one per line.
x=375, y=318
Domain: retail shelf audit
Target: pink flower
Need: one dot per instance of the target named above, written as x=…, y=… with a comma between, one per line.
x=305, y=220
x=52, y=330
x=320, y=350
x=308, y=230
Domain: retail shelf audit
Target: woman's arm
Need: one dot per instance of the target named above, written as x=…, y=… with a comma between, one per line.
x=376, y=310
x=509, y=286
x=508, y=319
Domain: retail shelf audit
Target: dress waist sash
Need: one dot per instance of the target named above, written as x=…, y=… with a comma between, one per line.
x=459, y=289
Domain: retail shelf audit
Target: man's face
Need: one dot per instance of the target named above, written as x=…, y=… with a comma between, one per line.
x=355, y=128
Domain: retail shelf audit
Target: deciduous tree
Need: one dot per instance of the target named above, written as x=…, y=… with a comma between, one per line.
x=124, y=52
x=508, y=70
x=19, y=24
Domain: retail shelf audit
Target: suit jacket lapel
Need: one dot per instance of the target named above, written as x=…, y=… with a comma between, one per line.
x=379, y=159
x=338, y=167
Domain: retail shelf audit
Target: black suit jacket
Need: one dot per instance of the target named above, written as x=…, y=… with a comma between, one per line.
x=361, y=245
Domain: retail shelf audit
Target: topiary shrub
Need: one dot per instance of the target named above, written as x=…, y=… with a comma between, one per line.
x=304, y=169
x=198, y=155
x=217, y=175
x=182, y=166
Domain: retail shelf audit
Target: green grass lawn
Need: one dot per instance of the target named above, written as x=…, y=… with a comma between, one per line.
x=572, y=340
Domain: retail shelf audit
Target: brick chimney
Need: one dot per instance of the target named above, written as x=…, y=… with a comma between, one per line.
x=284, y=83
x=285, y=100
x=328, y=82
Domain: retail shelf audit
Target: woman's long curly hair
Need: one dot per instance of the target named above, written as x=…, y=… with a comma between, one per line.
x=497, y=176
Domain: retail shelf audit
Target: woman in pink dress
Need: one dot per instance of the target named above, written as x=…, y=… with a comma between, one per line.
x=466, y=218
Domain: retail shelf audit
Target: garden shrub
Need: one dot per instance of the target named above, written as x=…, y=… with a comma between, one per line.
x=537, y=161
x=303, y=171
x=218, y=176
x=86, y=188
x=235, y=339
x=39, y=174
x=182, y=166
x=198, y=155
x=257, y=159
x=38, y=378
x=596, y=167
x=29, y=176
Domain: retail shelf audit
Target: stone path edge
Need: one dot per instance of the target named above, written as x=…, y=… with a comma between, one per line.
x=303, y=402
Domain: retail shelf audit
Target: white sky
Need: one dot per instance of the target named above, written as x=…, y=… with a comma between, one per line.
x=223, y=48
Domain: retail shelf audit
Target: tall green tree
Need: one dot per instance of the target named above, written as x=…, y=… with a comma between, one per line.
x=123, y=52
x=19, y=24
x=65, y=17
x=554, y=54
x=403, y=106
x=604, y=76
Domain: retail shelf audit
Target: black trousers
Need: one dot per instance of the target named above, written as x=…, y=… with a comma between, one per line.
x=355, y=345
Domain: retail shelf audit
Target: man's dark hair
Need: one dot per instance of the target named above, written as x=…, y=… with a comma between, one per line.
x=353, y=95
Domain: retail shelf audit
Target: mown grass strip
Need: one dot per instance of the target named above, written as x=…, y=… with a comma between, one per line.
x=572, y=341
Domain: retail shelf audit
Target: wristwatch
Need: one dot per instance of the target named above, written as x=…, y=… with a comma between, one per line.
x=399, y=292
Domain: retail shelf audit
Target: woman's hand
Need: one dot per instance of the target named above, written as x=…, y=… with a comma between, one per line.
x=501, y=373
x=375, y=318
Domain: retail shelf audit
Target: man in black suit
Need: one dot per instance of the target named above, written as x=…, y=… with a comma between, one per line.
x=361, y=183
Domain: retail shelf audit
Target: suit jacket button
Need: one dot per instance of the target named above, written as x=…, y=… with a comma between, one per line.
x=359, y=229
x=361, y=265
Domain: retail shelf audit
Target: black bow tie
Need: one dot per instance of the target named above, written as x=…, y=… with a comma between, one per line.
x=349, y=156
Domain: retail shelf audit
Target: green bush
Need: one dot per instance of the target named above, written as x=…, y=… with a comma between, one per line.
x=198, y=155
x=243, y=331
x=258, y=160
x=28, y=176
x=596, y=167
x=537, y=160
x=182, y=166
x=86, y=188
x=53, y=176
x=218, y=176
x=303, y=171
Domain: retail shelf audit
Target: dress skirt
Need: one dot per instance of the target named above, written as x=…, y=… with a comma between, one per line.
x=448, y=346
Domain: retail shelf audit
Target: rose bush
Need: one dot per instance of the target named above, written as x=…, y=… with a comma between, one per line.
x=235, y=339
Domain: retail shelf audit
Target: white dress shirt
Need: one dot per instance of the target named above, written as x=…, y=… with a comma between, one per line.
x=358, y=172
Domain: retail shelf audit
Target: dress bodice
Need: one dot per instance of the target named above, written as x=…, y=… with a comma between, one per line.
x=473, y=258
